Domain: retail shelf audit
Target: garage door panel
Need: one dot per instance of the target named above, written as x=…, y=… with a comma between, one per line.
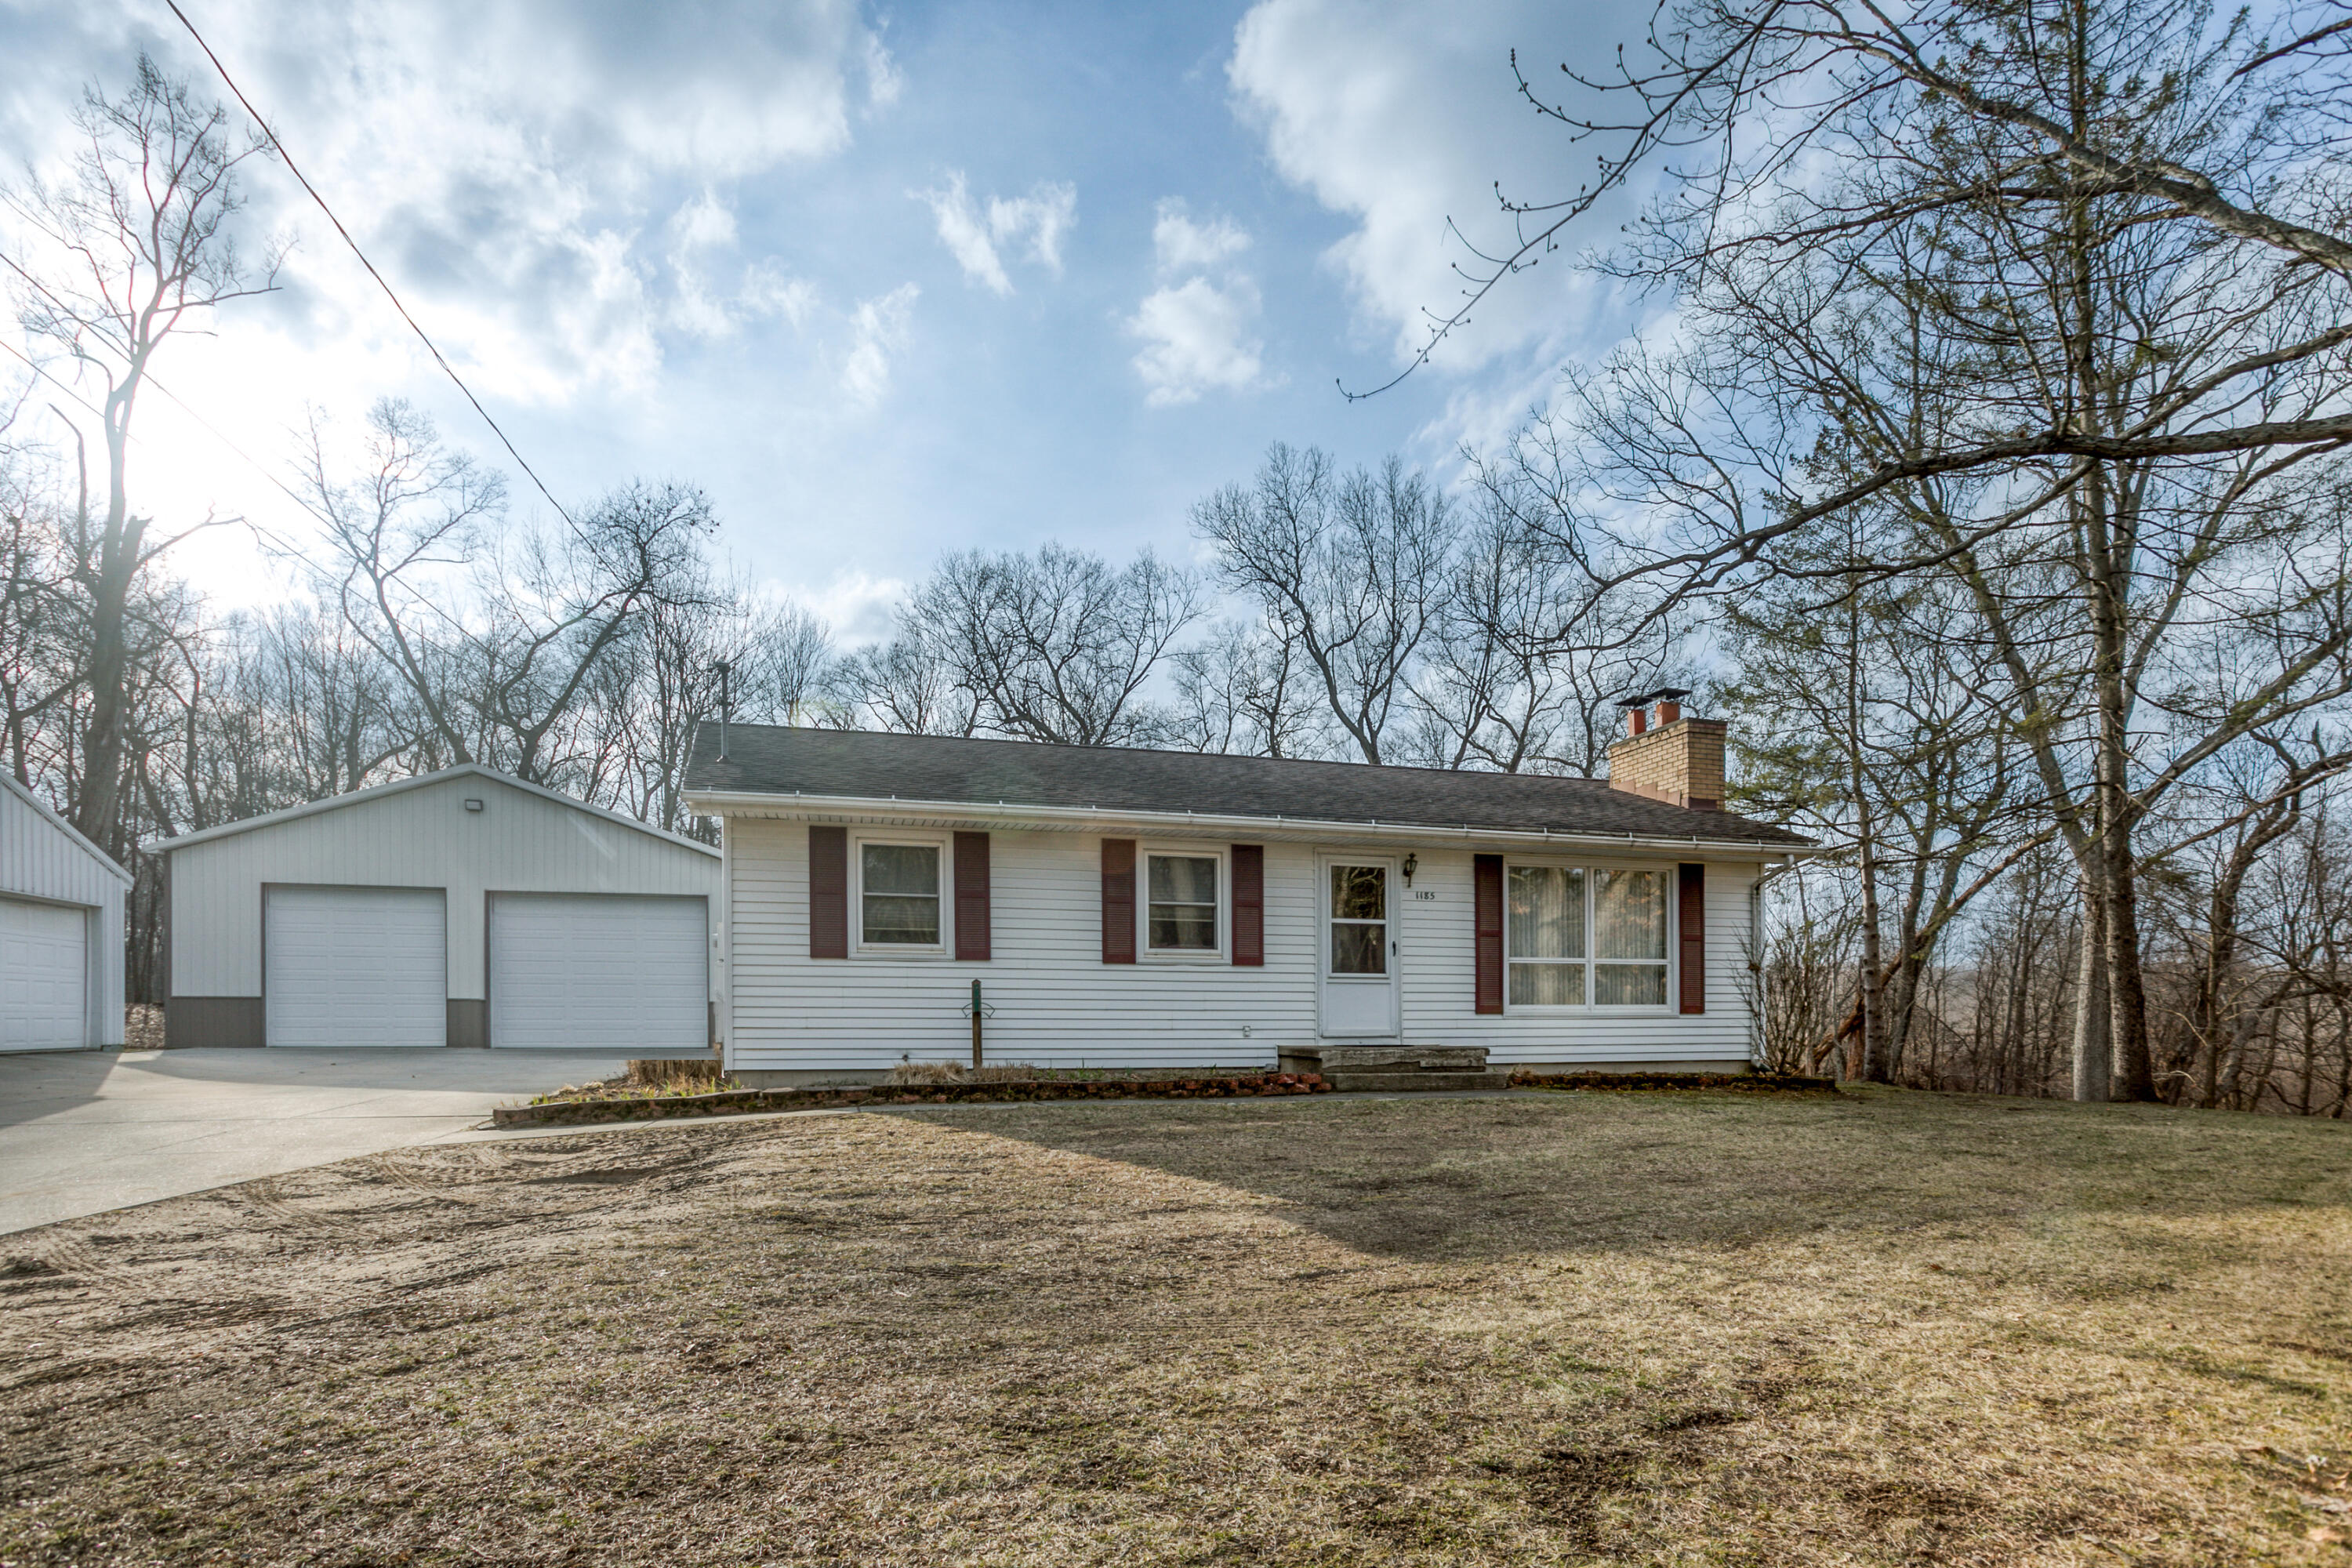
x=577, y=971
x=356, y=967
x=44, y=976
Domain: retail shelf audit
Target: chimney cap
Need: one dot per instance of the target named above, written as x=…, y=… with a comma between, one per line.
x=1663, y=694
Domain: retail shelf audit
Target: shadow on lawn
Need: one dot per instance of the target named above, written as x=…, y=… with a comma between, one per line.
x=1494, y=1178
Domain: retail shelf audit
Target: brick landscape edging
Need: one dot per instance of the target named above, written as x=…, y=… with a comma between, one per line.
x=743, y=1101
x=1746, y=1082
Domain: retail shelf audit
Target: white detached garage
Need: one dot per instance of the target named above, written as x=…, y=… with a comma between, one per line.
x=60, y=930
x=460, y=908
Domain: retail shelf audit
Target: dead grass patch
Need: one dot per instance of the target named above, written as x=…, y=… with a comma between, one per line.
x=1880, y=1328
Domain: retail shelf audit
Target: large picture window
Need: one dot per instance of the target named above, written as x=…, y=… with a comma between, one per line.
x=1181, y=898
x=1578, y=936
x=898, y=895
x=1628, y=949
x=1546, y=935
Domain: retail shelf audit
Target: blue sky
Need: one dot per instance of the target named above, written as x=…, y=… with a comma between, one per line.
x=887, y=280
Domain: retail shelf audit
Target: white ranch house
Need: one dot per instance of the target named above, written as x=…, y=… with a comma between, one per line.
x=1136, y=909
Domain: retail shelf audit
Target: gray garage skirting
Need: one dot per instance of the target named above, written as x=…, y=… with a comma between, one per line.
x=196, y=1021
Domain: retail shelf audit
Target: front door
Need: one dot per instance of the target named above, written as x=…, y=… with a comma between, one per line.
x=1359, y=949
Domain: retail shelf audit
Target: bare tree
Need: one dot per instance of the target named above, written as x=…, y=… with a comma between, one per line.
x=558, y=604
x=1057, y=645
x=902, y=684
x=1240, y=690
x=653, y=692
x=133, y=247
x=401, y=529
x=1523, y=668
x=1345, y=567
x=498, y=634
x=2105, y=409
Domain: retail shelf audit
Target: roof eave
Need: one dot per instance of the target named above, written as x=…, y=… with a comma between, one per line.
x=418, y=781
x=777, y=803
x=75, y=835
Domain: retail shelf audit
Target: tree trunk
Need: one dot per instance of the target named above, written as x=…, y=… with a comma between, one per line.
x=2135, y=1075
x=98, y=811
x=2094, y=1061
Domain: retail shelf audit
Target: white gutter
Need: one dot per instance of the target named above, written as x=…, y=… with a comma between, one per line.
x=762, y=803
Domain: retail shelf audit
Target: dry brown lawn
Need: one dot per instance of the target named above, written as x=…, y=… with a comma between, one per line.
x=1637, y=1329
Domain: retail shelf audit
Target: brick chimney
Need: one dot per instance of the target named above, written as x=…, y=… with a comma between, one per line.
x=1667, y=756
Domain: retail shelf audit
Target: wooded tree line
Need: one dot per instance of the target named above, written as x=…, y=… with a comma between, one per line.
x=1988, y=450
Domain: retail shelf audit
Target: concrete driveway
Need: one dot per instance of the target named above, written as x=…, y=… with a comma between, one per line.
x=85, y=1131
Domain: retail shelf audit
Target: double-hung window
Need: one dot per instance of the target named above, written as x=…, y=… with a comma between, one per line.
x=898, y=895
x=1577, y=936
x=1180, y=903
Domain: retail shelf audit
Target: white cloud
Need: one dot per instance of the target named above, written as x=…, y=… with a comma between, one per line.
x=516, y=170
x=1045, y=215
x=878, y=330
x=1197, y=339
x=1404, y=115
x=964, y=231
x=702, y=240
x=858, y=607
x=1197, y=333
x=769, y=291
x=1181, y=244
x=884, y=81
x=974, y=236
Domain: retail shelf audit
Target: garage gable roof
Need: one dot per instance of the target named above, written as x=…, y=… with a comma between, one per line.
x=41, y=809
x=378, y=792
x=904, y=770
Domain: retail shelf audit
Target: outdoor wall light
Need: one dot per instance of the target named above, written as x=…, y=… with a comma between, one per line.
x=1410, y=862
x=473, y=806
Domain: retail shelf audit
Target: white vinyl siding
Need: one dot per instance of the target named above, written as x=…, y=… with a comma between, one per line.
x=1056, y=1003
x=346, y=968
x=588, y=972
x=44, y=971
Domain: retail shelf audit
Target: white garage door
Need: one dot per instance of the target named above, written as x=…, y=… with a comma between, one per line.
x=42, y=970
x=578, y=972
x=344, y=967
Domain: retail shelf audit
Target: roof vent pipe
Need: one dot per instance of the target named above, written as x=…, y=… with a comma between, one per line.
x=724, y=671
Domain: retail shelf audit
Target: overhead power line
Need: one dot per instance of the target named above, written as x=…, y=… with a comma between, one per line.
x=389, y=292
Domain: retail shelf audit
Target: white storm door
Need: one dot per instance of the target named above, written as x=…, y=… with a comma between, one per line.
x=1358, y=947
x=589, y=972
x=44, y=968
x=344, y=968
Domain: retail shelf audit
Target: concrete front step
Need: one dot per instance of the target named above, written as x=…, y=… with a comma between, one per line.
x=1416, y=1081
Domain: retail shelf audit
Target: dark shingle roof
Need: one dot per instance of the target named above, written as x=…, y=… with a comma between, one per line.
x=775, y=760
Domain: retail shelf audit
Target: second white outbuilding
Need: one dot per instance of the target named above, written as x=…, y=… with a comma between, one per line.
x=459, y=908
x=62, y=900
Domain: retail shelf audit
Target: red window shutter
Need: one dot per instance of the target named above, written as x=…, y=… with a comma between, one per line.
x=1118, y=900
x=1692, y=918
x=828, y=893
x=1486, y=899
x=971, y=895
x=1249, y=905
